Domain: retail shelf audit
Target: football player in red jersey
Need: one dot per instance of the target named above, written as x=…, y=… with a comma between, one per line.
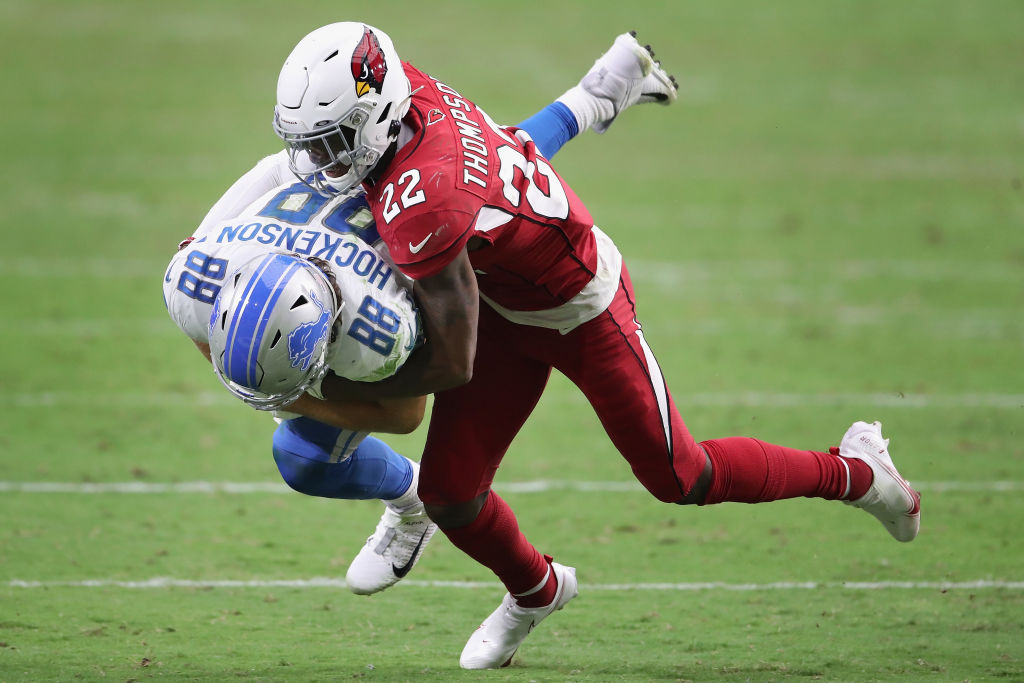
x=322, y=448
x=514, y=278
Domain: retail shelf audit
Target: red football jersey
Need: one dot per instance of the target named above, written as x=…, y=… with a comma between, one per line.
x=462, y=176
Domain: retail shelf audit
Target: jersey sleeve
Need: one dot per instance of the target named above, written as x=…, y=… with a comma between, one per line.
x=270, y=172
x=379, y=328
x=180, y=293
x=424, y=243
x=194, y=278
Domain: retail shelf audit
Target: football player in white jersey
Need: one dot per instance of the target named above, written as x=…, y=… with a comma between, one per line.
x=327, y=451
x=350, y=311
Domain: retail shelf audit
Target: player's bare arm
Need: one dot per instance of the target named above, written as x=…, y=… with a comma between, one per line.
x=391, y=416
x=449, y=302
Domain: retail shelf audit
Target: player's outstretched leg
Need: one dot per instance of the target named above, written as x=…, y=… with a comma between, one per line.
x=395, y=546
x=494, y=643
x=890, y=499
x=625, y=75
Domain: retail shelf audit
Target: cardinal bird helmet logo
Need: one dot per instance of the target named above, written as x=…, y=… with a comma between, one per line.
x=368, y=64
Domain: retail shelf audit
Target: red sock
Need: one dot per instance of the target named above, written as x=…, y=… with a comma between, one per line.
x=493, y=539
x=861, y=476
x=541, y=594
x=751, y=471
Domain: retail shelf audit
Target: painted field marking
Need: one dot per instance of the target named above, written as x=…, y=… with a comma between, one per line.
x=539, y=486
x=999, y=325
x=323, y=582
x=747, y=399
x=669, y=273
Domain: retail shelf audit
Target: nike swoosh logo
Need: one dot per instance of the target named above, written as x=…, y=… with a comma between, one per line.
x=400, y=572
x=415, y=248
x=657, y=96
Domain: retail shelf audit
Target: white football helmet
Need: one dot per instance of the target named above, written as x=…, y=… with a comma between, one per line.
x=341, y=96
x=270, y=327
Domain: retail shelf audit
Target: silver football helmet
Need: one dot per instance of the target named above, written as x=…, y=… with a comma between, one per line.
x=341, y=96
x=270, y=327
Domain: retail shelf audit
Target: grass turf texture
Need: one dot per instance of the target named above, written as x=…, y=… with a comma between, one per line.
x=829, y=219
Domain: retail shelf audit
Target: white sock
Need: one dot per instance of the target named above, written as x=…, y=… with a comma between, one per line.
x=587, y=109
x=410, y=498
x=846, y=493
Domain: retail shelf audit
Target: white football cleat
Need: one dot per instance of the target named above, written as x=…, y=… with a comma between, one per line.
x=628, y=74
x=394, y=548
x=890, y=499
x=493, y=644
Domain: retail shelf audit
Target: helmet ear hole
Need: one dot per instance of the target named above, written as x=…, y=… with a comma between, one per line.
x=277, y=338
x=384, y=114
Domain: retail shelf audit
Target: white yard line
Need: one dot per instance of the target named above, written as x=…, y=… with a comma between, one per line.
x=749, y=399
x=540, y=486
x=975, y=323
x=322, y=582
x=669, y=273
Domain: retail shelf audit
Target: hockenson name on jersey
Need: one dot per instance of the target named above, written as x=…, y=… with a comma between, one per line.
x=336, y=249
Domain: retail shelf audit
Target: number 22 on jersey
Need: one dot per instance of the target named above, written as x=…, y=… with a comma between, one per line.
x=544, y=192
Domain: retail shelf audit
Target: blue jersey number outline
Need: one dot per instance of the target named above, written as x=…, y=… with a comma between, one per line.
x=298, y=204
x=376, y=327
x=201, y=283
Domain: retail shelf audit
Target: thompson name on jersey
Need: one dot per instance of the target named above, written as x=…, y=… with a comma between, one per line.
x=462, y=179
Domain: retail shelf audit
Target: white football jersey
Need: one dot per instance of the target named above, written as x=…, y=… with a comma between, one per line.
x=379, y=323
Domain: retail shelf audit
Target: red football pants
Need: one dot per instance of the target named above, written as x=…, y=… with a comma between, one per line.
x=472, y=426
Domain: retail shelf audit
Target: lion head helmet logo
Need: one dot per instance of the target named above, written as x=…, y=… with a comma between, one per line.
x=368, y=64
x=304, y=339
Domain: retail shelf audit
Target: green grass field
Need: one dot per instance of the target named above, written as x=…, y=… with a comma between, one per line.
x=828, y=226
